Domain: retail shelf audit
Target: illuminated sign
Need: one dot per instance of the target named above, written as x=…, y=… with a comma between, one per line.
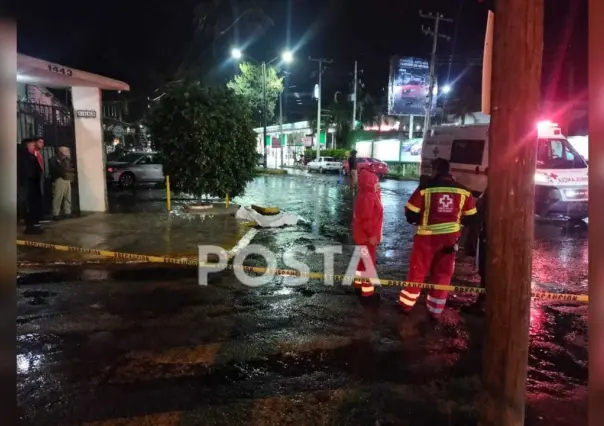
x=408, y=86
x=85, y=113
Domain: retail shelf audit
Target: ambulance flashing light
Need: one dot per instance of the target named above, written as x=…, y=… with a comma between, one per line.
x=547, y=129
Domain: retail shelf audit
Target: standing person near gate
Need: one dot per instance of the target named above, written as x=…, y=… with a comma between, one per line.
x=38, y=149
x=367, y=224
x=62, y=174
x=31, y=171
x=438, y=209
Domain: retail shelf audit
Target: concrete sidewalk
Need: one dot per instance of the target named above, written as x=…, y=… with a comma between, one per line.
x=176, y=235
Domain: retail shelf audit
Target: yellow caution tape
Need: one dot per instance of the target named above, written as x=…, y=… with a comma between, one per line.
x=290, y=272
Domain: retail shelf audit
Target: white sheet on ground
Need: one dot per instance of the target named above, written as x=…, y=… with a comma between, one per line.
x=275, y=221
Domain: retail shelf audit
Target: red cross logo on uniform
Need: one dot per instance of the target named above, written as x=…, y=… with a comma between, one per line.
x=445, y=203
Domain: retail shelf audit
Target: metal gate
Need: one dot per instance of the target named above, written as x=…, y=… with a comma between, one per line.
x=56, y=126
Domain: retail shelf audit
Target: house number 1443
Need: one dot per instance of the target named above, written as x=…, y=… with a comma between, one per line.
x=64, y=71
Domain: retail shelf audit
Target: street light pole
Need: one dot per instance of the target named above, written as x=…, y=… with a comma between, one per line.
x=320, y=61
x=287, y=57
x=281, y=125
x=319, y=111
x=264, y=111
x=354, y=97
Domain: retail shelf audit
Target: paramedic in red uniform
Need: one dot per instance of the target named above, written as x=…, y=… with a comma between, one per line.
x=367, y=225
x=438, y=208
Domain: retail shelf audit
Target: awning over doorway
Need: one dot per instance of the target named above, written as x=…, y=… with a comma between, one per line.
x=48, y=74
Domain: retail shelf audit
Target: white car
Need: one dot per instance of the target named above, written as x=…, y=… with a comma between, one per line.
x=135, y=167
x=324, y=164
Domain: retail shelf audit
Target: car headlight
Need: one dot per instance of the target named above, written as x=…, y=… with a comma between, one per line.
x=553, y=194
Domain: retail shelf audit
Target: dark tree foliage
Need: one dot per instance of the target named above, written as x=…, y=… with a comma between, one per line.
x=205, y=139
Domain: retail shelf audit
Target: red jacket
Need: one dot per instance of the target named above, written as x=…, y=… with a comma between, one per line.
x=368, y=217
x=440, y=207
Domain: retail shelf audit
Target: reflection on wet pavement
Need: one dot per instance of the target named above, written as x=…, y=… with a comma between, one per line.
x=148, y=344
x=176, y=234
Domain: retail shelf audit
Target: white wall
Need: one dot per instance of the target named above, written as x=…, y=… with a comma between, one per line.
x=363, y=149
x=387, y=150
x=89, y=150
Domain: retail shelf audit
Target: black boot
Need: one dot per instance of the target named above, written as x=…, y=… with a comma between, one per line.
x=34, y=230
x=476, y=308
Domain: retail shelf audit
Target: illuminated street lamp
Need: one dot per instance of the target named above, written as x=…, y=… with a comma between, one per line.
x=236, y=53
x=446, y=89
x=286, y=57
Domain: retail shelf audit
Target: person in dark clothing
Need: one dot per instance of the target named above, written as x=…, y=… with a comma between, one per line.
x=352, y=167
x=477, y=246
x=31, y=179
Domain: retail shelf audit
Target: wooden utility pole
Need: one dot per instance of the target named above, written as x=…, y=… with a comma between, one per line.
x=438, y=18
x=596, y=211
x=516, y=81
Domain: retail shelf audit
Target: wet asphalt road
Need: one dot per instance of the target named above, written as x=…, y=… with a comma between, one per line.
x=149, y=346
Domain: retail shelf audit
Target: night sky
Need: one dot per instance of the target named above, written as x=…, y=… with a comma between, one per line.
x=144, y=44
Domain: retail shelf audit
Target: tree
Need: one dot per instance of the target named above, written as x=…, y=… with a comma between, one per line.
x=370, y=108
x=205, y=139
x=248, y=84
x=464, y=104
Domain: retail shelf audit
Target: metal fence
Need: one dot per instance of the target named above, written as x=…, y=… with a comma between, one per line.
x=56, y=126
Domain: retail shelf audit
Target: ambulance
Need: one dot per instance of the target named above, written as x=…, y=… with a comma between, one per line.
x=560, y=178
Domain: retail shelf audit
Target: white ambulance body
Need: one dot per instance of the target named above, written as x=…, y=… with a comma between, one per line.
x=560, y=179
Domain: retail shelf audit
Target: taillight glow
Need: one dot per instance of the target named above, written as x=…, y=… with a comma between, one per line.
x=110, y=170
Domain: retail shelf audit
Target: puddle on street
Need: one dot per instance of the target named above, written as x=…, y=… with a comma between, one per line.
x=263, y=337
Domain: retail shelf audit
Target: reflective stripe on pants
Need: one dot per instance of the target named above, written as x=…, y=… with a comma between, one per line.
x=367, y=288
x=428, y=258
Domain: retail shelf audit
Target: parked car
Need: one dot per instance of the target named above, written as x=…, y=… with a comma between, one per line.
x=135, y=167
x=416, y=149
x=324, y=164
x=376, y=166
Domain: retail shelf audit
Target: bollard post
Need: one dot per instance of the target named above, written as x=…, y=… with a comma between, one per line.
x=168, y=194
x=227, y=201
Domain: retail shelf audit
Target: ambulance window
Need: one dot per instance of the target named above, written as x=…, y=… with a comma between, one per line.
x=466, y=151
x=558, y=154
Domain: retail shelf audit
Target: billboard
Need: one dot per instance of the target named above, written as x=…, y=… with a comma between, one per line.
x=408, y=86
